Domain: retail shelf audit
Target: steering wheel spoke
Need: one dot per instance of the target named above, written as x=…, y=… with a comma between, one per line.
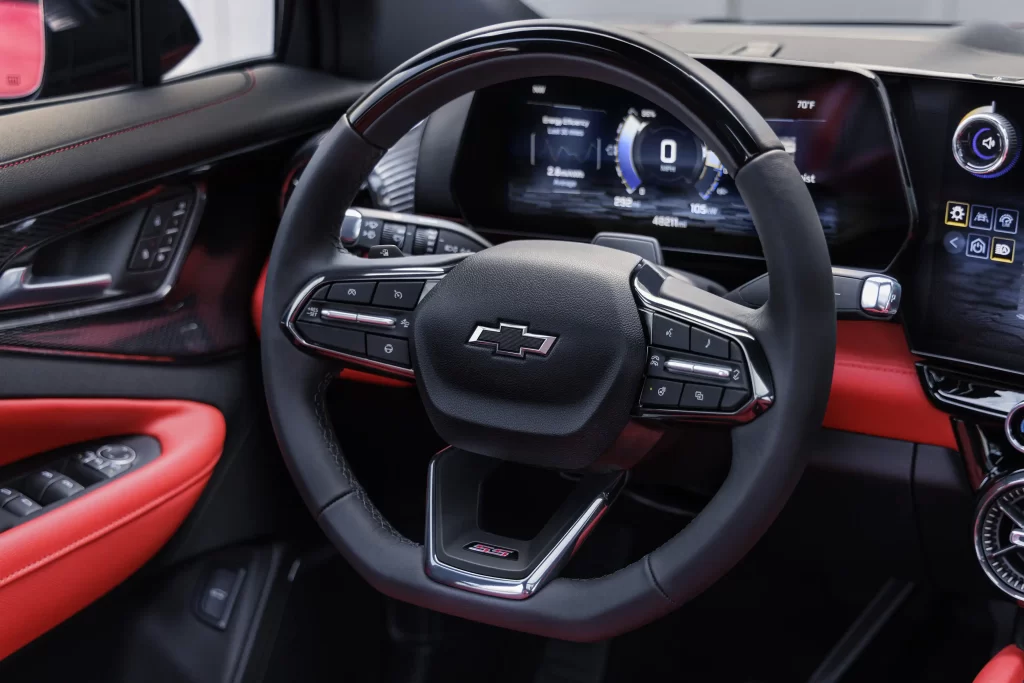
x=362, y=311
x=704, y=363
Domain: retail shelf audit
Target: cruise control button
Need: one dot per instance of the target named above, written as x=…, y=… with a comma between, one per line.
x=339, y=339
x=734, y=399
x=398, y=294
x=387, y=349
x=351, y=292
x=708, y=344
x=666, y=332
x=700, y=396
x=310, y=312
x=661, y=393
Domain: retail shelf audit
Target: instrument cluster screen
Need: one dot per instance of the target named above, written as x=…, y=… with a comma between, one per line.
x=576, y=157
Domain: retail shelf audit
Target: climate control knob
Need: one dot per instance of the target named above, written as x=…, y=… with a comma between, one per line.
x=985, y=143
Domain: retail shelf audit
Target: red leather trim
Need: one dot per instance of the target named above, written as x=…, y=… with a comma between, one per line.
x=250, y=76
x=56, y=564
x=1006, y=667
x=876, y=390
x=346, y=374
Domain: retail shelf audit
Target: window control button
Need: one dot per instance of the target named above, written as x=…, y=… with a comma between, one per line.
x=22, y=506
x=161, y=258
x=59, y=490
x=145, y=250
x=35, y=483
x=7, y=494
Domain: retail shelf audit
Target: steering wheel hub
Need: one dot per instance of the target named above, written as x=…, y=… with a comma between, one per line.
x=532, y=351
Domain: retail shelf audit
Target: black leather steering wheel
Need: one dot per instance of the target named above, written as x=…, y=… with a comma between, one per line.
x=536, y=351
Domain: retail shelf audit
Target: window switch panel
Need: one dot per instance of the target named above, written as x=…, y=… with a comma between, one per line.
x=34, y=484
x=22, y=506
x=60, y=490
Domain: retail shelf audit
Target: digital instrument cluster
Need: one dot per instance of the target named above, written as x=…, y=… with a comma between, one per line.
x=572, y=157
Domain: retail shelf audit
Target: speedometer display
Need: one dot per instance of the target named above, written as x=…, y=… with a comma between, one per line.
x=566, y=157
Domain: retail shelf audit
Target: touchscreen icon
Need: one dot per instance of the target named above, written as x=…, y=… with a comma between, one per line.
x=981, y=217
x=1006, y=220
x=956, y=213
x=1002, y=249
x=954, y=242
x=977, y=246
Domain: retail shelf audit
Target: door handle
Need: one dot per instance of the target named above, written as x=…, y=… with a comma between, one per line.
x=20, y=289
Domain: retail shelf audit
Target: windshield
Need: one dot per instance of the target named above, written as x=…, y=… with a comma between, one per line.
x=795, y=11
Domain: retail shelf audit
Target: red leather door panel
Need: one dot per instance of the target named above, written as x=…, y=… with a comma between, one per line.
x=53, y=566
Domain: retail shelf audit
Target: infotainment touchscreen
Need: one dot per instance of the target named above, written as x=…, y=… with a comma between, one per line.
x=575, y=156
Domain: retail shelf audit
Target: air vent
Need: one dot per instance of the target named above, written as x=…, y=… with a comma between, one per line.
x=999, y=534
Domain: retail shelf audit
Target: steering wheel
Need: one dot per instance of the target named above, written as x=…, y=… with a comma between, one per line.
x=538, y=351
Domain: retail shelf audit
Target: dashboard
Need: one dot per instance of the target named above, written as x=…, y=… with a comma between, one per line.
x=569, y=156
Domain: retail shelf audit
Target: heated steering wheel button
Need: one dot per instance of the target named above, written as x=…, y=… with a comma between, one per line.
x=660, y=393
x=352, y=292
x=387, y=349
x=669, y=333
x=398, y=294
x=708, y=344
x=700, y=397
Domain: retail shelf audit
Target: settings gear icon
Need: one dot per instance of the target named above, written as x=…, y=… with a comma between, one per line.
x=957, y=214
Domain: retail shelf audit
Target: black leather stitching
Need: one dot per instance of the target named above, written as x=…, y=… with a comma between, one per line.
x=331, y=442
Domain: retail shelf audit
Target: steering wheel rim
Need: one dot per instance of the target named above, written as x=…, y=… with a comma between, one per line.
x=795, y=329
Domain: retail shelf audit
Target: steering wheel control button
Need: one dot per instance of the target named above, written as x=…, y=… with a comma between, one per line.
x=387, y=349
x=397, y=294
x=375, y=320
x=734, y=399
x=682, y=367
x=338, y=339
x=117, y=453
x=370, y=230
x=330, y=315
x=700, y=397
x=660, y=393
x=22, y=506
x=708, y=344
x=735, y=352
x=667, y=332
x=385, y=251
x=311, y=312
x=351, y=292
x=60, y=490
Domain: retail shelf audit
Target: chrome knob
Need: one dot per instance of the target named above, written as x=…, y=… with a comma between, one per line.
x=985, y=143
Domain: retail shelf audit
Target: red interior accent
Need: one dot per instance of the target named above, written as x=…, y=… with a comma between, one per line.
x=346, y=374
x=1006, y=667
x=876, y=390
x=56, y=564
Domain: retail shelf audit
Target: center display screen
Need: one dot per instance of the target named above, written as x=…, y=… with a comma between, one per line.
x=575, y=157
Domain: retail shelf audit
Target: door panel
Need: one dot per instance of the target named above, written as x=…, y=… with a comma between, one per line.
x=61, y=560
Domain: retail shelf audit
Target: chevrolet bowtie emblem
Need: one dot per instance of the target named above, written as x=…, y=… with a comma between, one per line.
x=512, y=340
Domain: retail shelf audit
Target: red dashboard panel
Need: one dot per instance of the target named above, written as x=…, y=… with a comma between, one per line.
x=53, y=566
x=875, y=389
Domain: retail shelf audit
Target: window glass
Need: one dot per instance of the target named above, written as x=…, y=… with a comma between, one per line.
x=229, y=31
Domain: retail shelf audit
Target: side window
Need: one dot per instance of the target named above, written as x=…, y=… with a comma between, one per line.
x=58, y=48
